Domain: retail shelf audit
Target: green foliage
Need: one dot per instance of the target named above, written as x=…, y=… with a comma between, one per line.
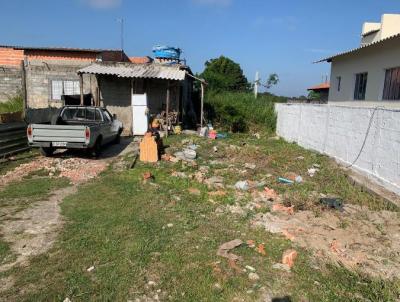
x=13, y=104
x=223, y=74
x=314, y=95
x=272, y=80
x=238, y=112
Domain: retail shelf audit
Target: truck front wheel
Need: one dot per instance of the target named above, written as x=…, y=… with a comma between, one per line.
x=47, y=151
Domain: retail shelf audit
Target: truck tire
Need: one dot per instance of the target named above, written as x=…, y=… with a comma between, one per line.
x=117, y=139
x=47, y=151
x=96, y=150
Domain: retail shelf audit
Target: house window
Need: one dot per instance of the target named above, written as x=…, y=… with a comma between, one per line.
x=361, y=86
x=64, y=87
x=391, y=90
x=339, y=82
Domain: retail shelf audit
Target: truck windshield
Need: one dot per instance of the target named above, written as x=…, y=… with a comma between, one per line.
x=81, y=114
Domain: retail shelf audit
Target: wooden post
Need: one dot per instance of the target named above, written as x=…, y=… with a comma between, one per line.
x=202, y=105
x=81, y=87
x=167, y=108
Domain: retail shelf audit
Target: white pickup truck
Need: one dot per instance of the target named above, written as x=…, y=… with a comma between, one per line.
x=76, y=127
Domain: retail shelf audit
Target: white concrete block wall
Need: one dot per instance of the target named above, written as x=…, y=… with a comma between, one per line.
x=340, y=131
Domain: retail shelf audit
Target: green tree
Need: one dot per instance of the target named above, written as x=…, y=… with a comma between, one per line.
x=272, y=80
x=223, y=74
x=314, y=95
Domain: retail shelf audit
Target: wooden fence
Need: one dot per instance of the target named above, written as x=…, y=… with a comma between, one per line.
x=13, y=138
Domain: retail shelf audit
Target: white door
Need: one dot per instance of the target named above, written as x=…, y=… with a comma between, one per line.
x=139, y=112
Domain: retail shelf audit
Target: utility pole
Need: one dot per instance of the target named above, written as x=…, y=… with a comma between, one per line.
x=256, y=83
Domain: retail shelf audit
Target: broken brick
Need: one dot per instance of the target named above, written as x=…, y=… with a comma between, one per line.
x=289, y=257
x=281, y=208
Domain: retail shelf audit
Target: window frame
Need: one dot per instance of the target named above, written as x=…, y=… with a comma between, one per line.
x=393, y=85
x=74, y=81
x=339, y=82
x=361, y=78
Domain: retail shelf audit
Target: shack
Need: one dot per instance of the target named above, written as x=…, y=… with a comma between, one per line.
x=137, y=92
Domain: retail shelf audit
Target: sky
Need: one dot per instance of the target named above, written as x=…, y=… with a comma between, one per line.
x=281, y=36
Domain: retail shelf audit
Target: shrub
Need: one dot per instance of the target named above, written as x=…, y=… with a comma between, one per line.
x=13, y=104
x=240, y=112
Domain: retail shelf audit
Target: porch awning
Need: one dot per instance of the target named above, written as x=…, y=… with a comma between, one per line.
x=130, y=70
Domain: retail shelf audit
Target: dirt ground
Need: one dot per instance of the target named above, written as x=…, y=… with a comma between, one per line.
x=33, y=230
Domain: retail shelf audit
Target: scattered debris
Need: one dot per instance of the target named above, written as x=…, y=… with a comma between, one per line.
x=66, y=300
x=147, y=176
x=270, y=194
x=257, y=135
x=217, y=287
x=215, y=149
x=300, y=157
x=250, y=268
x=288, y=235
x=194, y=191
x=298, y=179
x=250, y=166
x=311, y=172
x=224, y=249
x=333, y=203
x=289, y=257
x=254, y=277
x=251, y=243
x=274, y=138
x=77, y=170
x=179, y=174
x=233, y=264
x=217, y=193
x=170, y=225
x=281, y=267
x=90, y=269
x=278, y=207
x=214, y=182
x=285, y=180
x=261, y=249
x=242, y=185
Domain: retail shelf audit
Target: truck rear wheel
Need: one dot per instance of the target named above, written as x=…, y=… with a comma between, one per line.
x=96, y=150
x=47, y=151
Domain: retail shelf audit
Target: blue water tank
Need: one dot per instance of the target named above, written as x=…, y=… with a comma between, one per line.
x=167, y=52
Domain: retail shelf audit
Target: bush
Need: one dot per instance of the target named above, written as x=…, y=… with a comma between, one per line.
x=240, y=112
x=13, y=104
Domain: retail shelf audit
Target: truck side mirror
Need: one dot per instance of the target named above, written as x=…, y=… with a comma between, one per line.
x=114, y=116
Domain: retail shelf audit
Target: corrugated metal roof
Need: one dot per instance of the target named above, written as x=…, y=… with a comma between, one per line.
x=329, y=59
x=130, y=70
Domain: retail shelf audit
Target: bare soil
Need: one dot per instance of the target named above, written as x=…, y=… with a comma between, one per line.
x=359, y=239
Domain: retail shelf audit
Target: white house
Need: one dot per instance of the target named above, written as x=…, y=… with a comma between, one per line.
x=369, y=74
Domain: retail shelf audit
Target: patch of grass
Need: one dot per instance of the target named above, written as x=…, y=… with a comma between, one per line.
x=121, y=226
x=4, y=251
x=13, y=104
x=21, y=194
x=16, y=160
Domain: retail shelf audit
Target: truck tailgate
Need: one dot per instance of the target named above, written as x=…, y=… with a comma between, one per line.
x=58, y=133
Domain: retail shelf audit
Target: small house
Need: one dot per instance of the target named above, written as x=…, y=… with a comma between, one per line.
x=370, y=73
x=136, y=92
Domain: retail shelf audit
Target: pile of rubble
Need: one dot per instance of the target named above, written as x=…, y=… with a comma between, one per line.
x=77, y=170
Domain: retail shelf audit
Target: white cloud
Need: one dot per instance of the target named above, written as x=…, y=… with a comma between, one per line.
x=103, y=4
x=224, y=3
